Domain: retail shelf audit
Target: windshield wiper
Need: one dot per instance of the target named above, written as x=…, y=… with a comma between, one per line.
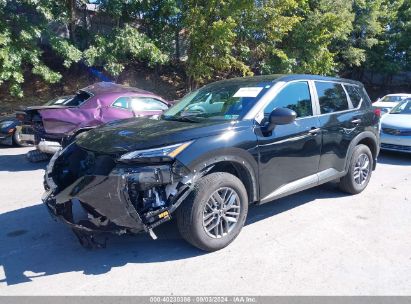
x=187, y=118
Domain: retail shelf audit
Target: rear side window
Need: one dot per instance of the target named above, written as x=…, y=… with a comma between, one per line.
x=121, y=102
x=295, y=96
x=355, y=94
x=147, y=104
x=332, y=97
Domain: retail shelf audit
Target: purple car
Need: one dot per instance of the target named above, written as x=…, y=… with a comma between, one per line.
x=62, y=119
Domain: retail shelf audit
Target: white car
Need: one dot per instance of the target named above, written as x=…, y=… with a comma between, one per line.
x=388, y=102
x=396, y=128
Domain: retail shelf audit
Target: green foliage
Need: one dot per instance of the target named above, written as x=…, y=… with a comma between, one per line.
x=217, y=38
x=263, y=33
x=20, y=42
x=311, y=42
x=211, y=26
x=123, y=46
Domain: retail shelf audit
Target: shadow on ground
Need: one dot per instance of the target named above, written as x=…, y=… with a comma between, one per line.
x=32, y=245
x=394, y=158
x=14, y=160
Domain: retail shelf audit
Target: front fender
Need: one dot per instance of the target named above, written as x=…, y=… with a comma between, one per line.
x=239, y=150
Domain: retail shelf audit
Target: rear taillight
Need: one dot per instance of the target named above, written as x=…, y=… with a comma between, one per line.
x=377, y=112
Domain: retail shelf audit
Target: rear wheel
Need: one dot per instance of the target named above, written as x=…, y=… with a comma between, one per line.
x=214, y=213
x=359, y=172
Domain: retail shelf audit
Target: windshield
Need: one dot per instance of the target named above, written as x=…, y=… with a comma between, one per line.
x=227, y=100
x=396, y=98
x=402, y=108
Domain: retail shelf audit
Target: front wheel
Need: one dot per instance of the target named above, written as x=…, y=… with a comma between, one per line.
x=359, y=172
x=214, y=213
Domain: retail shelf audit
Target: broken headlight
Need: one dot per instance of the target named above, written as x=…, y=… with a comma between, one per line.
x=163, y=153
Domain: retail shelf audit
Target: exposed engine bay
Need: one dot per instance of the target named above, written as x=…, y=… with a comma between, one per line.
x=115, y=197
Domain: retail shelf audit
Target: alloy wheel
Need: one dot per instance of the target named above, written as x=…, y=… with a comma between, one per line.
x=361, y=169
x=221, y=212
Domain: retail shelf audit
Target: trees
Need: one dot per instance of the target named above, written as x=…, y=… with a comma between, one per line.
x=24, y=29
x=223, y=38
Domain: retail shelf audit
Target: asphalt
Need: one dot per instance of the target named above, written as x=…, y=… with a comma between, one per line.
x=318, y=242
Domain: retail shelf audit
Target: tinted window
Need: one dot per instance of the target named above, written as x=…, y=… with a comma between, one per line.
x=355, y=95
x=331, y=96
x=121, y=102
x=365, y=97
x=295, y=96
x=147, y=104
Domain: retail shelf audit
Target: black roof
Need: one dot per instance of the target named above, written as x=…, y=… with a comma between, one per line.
x=289, y=77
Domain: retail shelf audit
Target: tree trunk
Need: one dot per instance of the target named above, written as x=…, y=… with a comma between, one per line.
x=71, y=8
x=177, y=39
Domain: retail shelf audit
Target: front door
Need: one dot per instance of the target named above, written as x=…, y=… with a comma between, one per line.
x=289, y=157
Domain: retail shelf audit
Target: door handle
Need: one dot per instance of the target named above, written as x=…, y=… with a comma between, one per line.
x=356, y=121
x=314, y=131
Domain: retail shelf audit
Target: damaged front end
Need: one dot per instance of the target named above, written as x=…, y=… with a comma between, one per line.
x=95, y=193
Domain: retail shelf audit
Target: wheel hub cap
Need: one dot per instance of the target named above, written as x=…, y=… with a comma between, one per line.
x=221, y=212
x=362, y=169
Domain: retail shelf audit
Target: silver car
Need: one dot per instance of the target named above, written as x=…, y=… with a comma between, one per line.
x=396, y=128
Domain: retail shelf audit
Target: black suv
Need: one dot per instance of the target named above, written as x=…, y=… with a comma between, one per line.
x=227, y=145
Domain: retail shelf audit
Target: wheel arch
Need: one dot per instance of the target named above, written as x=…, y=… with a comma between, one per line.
x=243, y=168
x=366, y=138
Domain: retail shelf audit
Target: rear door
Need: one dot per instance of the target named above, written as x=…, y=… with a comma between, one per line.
x=289, y=157
x=340, y=122
x=119, y=109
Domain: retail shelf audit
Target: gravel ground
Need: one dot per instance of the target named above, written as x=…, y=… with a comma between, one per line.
x=317, y=242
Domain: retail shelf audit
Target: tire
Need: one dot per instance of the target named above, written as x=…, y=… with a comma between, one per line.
x=36, y=156
x=196, y=208
x=354, y=181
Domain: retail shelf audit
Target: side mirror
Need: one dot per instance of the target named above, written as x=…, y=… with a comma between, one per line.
x=280, y=116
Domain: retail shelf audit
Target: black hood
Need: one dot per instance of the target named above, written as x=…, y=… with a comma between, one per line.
x=143, y=133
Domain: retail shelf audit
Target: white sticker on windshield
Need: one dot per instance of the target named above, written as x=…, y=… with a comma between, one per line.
x=248, y=92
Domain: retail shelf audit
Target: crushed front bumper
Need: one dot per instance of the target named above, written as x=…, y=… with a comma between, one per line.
x=108, y=202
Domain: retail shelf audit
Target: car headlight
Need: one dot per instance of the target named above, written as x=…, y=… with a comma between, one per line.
x=164, y=153
x=6, y=124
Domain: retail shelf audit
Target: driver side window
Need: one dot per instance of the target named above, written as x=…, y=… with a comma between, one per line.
x=295, y=96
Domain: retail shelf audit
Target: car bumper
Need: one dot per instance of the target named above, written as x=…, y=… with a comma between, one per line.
x=106, y=203
x=395, y=143
x=49, y=147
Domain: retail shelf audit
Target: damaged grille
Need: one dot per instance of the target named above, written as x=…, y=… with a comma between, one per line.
x=76, y=162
